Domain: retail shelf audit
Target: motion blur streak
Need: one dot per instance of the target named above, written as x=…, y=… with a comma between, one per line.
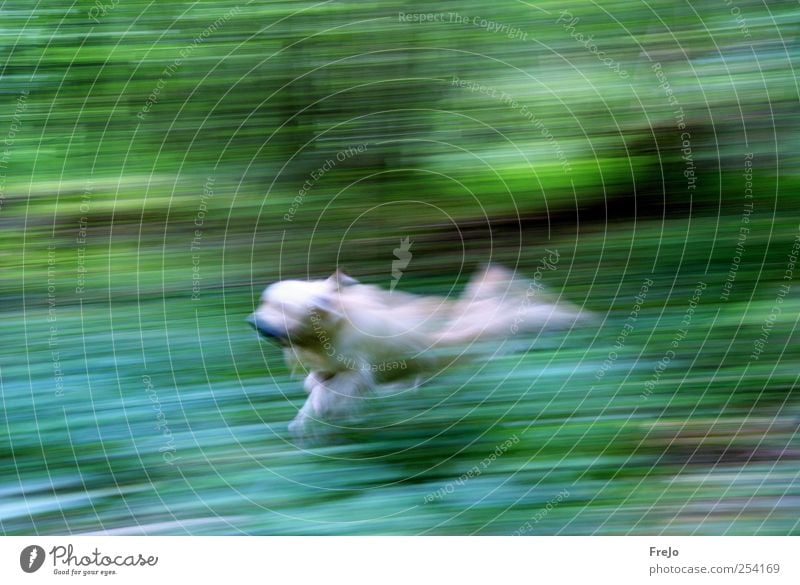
x=162, y=163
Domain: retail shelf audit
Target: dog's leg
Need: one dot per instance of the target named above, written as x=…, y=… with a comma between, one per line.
x=314, y=379
x=332, y=397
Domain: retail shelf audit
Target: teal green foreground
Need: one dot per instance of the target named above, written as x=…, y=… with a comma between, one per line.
x=161, y=164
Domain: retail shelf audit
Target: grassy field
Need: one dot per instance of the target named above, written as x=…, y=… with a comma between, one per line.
x=162, y=415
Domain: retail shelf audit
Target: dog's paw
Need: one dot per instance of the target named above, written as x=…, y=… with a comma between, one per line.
x=333, y=399
x=300, y=428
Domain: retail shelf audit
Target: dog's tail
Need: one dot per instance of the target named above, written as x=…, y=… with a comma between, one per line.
x=497, y=305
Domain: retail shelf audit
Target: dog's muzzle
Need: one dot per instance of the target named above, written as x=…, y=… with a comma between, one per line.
x=266, y=330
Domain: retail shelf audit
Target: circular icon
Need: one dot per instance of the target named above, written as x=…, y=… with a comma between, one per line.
x=31, y=558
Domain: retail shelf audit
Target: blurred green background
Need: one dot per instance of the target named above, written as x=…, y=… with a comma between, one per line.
x=161, y=162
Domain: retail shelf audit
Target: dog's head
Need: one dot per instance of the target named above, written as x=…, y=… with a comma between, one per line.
x=299, y=312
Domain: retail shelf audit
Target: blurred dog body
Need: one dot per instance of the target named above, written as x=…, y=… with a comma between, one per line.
x=350, y=337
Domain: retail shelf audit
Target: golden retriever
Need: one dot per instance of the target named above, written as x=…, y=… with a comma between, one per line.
x=349, y=337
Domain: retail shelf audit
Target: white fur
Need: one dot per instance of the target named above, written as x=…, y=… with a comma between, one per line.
x=349, y=337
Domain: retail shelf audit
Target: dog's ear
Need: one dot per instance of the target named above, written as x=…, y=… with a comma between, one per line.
x=326, y=303
x=326, y=307
x=339, y=279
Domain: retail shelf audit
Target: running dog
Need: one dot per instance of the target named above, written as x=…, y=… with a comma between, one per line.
x=349, y=338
